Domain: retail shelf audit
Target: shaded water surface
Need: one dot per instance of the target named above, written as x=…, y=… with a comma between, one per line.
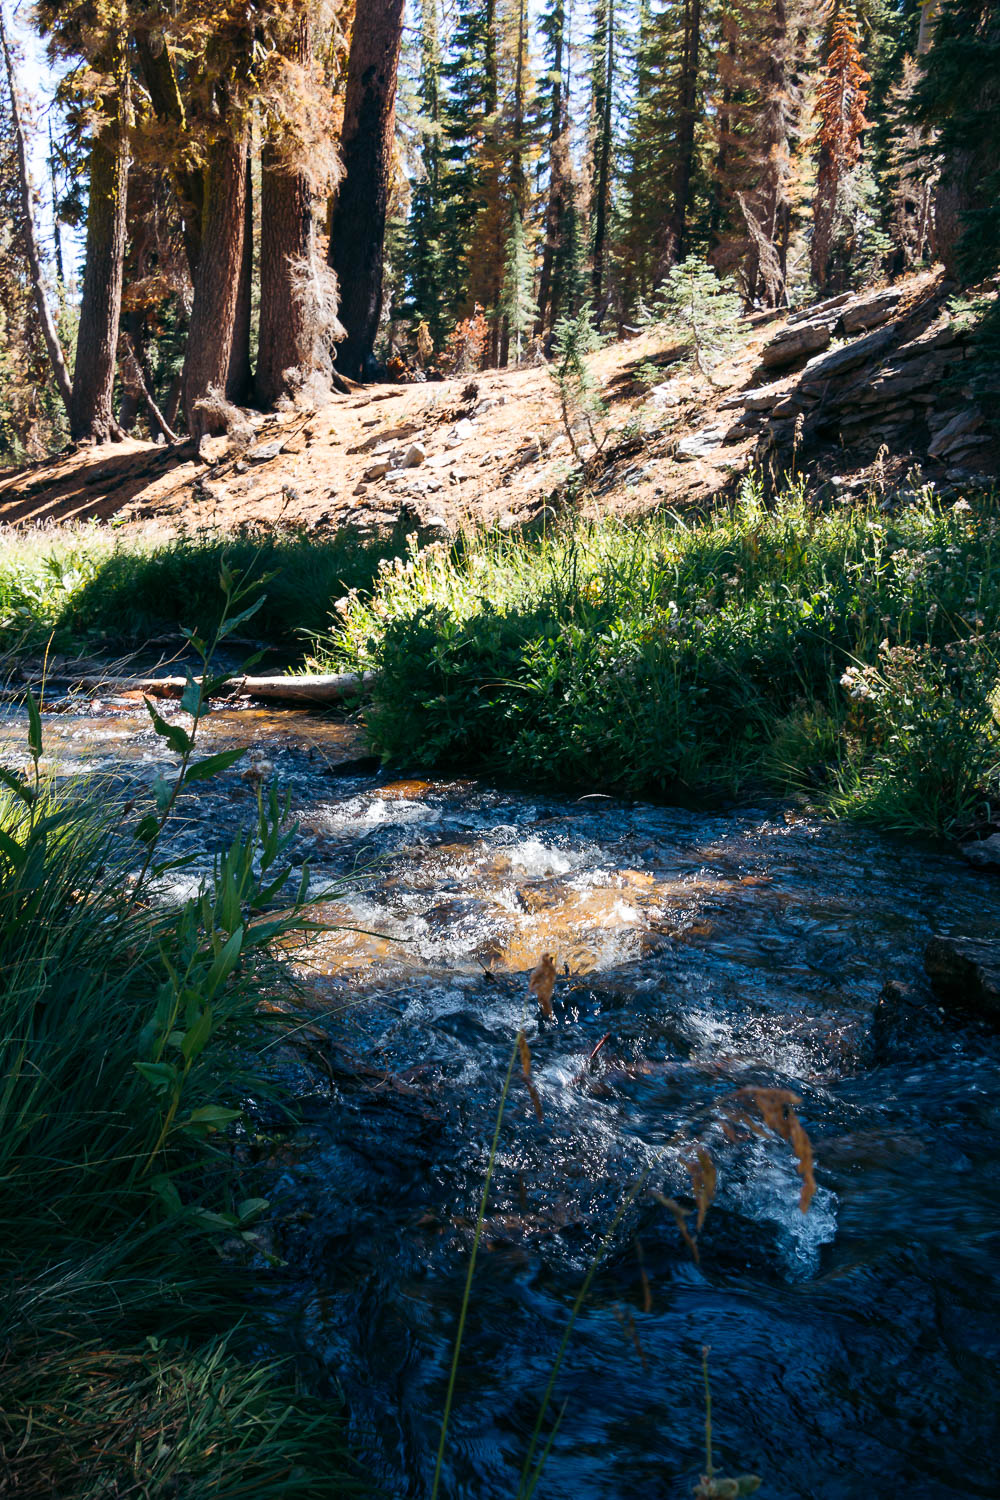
x=853, y=1348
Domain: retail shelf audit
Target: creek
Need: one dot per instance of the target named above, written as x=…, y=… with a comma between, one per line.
x=853, y=1347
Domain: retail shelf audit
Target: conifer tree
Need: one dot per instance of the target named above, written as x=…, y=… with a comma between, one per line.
x=840, y=108
x=517, y=304
x=430, y=280
x=603, y=79
x=552, y=104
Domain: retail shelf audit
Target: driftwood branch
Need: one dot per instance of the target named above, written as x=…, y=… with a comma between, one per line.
x=331, y=688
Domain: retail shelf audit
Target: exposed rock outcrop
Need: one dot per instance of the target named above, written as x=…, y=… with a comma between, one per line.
x=965, y=972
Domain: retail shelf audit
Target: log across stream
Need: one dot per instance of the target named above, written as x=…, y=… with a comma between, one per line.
x=699, y=954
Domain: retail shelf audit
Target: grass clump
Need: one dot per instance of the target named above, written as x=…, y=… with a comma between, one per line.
x=711, y=658
x=124, y=588
x=129, y=1025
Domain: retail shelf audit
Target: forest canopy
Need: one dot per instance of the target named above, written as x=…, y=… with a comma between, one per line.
x=265, y=200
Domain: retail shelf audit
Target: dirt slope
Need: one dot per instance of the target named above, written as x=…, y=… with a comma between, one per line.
x=490, y=448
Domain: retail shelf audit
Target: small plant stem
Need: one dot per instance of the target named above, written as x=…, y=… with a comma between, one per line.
x=449, y=1396
x=709, y=1466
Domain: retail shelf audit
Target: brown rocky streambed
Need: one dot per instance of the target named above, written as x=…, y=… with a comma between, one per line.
x=853, y=1347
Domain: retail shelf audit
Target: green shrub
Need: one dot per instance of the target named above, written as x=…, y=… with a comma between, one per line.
x=706, y=659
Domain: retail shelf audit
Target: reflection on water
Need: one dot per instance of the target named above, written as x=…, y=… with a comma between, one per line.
x=853, y=1348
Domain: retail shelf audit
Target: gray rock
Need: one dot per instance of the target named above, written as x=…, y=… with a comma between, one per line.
x=414, y=456
x=952, y=433
x=701, y=444
x=985, y=854
x=264, y=451
x=378, y=470
x=818, y=308
x=824, y=366
x=870, y=311
x=794, y=341
x=965, y=972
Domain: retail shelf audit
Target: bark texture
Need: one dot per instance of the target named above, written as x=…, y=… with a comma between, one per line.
x=90, y=415
x=357, y=227
x=217, y=283
x=286, y=239
x=239, y=376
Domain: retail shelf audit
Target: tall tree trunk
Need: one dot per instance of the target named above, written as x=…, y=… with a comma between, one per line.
x=357, y=225
x=548, y=290
x=90, y=417
x=239, y=376
x=217, y=284
x=601, y=198
x=160, y=79
x=284, y=341
x=49, y=330
x=286, y=238
x=688, y=101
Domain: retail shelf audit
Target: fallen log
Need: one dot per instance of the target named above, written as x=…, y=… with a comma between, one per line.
x=330, y=688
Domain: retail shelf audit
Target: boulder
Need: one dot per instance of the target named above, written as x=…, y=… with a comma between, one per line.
x=377, y=470
x=870, y=311
x=795, y=341
x=965, y=972
x=413, y=457
x=701, y=444
x=953, y=433
x=859, y=352
x=818, y=308
x=985, y=853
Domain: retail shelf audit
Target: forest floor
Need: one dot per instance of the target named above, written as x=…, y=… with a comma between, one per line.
x=487, y=449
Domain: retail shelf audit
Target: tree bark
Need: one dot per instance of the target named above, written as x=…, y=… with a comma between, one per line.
x=286, y=238
x=548, y=289
x=239, y=376
x=160, y=78
x=217, y=283
x=686, y=126
x=91, y=418
x=49, y=330
x=602, y=174
x=357, y=228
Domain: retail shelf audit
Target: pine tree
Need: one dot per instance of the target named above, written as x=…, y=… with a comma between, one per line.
x=429, y=279
x=552, y=105
x=960, y=96
x=517, y=304
x=603, y=80
x=840, y=108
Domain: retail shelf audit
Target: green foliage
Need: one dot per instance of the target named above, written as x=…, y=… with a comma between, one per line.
x=126, y=589
x=703, y=659
x=703, y=310
x=516, y=302
x=128, y=1026
x=580, y=401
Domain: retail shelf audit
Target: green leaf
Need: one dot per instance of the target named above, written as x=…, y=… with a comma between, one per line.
x=208, y=1119
x=193, y=1042
x=251, y=1208
x=162, y=793
x=34, y=727
x=14, y=783
x=13, y=852
x=161, y=1076
x=165, y=1189
x=177, y=738
x=191, y=698
x=228, y=626
x=226, y=962
x=147, y=828
x=201, y=770
x=226, y=579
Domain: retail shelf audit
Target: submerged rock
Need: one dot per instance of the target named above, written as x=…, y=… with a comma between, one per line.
x=985, y=854
x=965, y=972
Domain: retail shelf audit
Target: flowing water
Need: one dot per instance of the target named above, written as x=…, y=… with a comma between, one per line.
x=853, y=1347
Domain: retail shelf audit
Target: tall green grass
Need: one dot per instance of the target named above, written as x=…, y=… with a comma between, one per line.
x=128, y=1030
x=852, y=654
x=94, y=585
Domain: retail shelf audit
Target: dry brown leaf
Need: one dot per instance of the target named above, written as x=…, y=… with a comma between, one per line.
x=704, y=1179
x=525, y=1054
x=802, y=1146
x=674, y=1207
x=542, y=982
